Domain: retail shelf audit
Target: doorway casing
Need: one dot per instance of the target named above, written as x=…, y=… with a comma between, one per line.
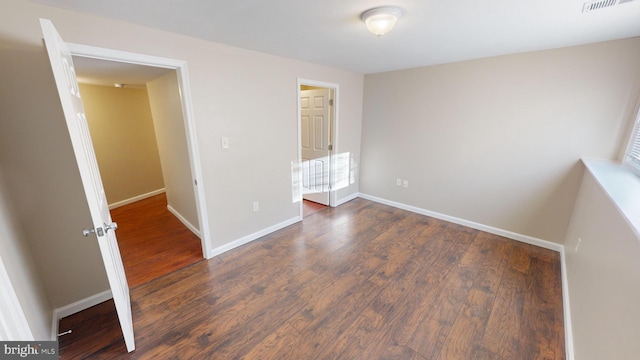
x=334, y=129
x=185, y=92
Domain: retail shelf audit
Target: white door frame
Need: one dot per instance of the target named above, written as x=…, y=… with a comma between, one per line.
x=334, y=135
x=187, y=110
x=13, y=322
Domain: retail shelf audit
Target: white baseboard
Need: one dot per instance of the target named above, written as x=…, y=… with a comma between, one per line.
x=568, y=329
x=76, y=307
x=346, y=199
x=136, y=198
x=490, y=229
x=256, y=235
x=184, y=221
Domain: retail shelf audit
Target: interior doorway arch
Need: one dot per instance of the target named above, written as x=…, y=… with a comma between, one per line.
x=331, y=139
x=183, y=82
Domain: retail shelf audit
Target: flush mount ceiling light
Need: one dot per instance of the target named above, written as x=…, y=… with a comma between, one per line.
x=381, y=20
x=119, y=85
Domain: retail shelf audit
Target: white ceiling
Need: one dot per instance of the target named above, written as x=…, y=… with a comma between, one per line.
x=330, y=32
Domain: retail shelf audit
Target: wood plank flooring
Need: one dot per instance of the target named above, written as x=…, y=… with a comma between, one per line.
x=152, y=241
x=310, y=207
x=361, y=281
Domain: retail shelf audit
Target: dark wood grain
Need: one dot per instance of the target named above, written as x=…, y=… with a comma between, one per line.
x=361, y=281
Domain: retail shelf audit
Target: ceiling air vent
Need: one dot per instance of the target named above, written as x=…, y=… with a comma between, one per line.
x=590, y=6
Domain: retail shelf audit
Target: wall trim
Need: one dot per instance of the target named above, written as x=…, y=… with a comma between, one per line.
x=76, y=307
x=346, y=199
x=183, y=220
x=474, y=225
x=131, y=200
x=568, y=329
x=256, y=235
x=13, y=322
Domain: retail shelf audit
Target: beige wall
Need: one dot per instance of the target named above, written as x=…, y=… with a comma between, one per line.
x=497, y=141
x=39, y=166
x=602, y=277
x=21, y=268
x=124, y=140
x=249, y=97
x=166, y=107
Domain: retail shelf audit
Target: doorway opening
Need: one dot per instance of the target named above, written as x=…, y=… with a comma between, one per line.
x=161, y=230
x=137, y=131
x=317, y=102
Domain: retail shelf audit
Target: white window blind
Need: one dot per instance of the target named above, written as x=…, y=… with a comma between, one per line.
x=632, y=157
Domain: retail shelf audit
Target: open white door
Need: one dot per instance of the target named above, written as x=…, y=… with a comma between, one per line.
x=68, y=90
x=315, y=143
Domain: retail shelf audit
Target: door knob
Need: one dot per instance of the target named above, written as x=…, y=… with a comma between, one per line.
x=113, y=226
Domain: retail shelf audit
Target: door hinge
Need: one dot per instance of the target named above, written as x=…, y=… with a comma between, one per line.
x=330, y=147
x=330, y=102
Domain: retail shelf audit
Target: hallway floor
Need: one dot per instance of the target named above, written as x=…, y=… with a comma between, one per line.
x=152, y=241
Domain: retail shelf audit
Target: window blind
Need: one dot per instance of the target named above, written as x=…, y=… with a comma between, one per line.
x=633, y=150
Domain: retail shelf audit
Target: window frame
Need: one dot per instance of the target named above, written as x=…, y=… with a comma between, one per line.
x=632, y=154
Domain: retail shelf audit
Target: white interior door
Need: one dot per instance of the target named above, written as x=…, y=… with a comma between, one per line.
x=104, y=229
x=315, y=142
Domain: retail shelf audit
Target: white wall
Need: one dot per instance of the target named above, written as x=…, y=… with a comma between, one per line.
x=497, y=141
x=247, y=96
x=603, y=276
x=169, y=125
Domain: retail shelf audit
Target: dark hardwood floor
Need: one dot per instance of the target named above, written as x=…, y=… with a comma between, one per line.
x=361, y=281
x=152, y=241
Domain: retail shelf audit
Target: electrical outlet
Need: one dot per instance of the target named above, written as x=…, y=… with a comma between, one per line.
x=578, y=245
x=398, y=182
x=405, y=183
x=256, y=206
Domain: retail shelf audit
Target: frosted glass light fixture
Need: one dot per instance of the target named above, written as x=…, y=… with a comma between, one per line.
x=381, y=20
